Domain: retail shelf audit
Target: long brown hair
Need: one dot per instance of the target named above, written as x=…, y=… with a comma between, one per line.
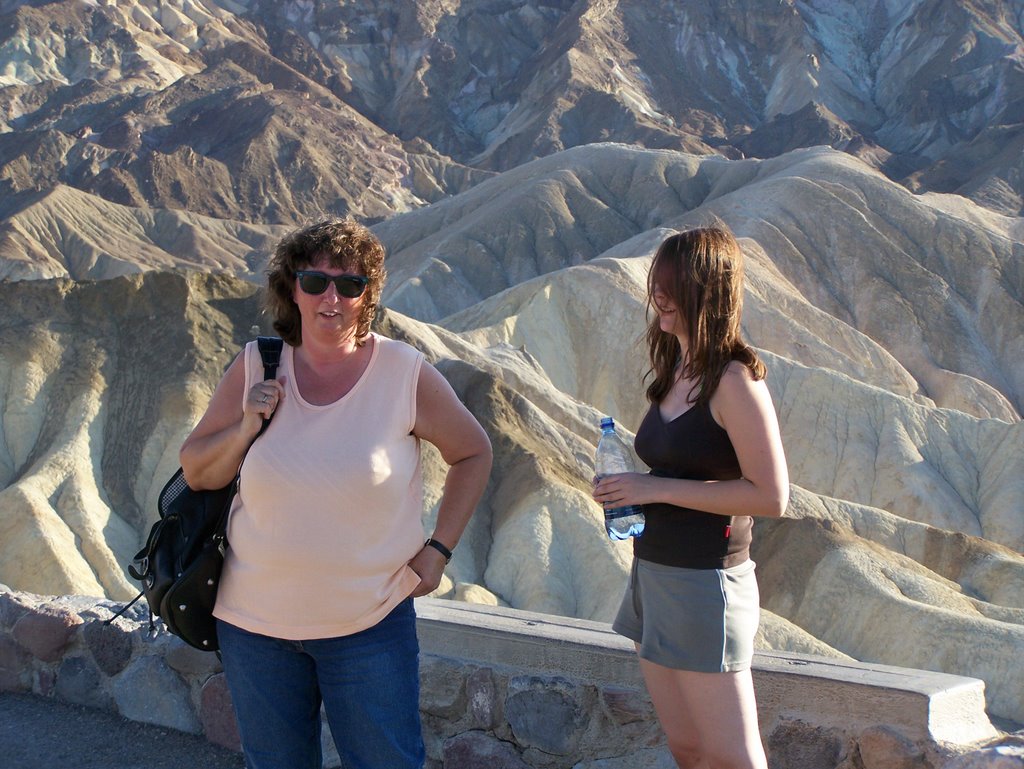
x=701, y=272
x=347, y=245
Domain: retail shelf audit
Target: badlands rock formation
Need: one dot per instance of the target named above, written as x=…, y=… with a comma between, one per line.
x=270, y=111
x=906, y=508
x=879, y=294
x=66, y=233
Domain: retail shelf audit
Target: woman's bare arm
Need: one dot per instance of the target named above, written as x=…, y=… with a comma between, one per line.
x=443, y=420
x=213, y=451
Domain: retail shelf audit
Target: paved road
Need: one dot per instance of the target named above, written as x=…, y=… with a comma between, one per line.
x=38, y=733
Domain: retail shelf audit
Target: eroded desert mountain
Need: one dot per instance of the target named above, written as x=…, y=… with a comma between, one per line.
x=278, y=112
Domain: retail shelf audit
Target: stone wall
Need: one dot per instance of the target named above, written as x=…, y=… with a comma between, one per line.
x=504, y=689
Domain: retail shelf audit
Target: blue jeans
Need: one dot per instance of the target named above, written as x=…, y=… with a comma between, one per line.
x=368, y=682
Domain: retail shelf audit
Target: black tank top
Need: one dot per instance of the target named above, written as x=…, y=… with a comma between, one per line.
x=696, y=447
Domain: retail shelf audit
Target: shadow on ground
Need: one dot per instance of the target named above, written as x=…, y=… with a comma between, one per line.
x=39, y=733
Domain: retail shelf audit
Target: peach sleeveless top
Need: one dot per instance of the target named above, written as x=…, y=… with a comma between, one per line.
x=329, y=508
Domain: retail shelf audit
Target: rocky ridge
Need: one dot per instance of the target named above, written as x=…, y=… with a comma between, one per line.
x=282, y=111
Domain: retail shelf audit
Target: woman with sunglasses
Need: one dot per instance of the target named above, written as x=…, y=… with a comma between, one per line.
x=711, y=439
x=327, y=547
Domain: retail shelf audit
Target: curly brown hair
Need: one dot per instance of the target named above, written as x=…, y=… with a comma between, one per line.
x=346, y=245
x=701, y=272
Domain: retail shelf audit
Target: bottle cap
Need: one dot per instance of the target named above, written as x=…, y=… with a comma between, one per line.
x=607, y=422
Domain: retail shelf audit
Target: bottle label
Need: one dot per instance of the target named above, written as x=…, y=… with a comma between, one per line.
x=622, y=512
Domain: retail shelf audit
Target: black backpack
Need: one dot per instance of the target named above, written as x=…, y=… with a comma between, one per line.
x=179, y=566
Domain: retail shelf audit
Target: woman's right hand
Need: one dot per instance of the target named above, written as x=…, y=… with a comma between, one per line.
x=212, y=452
x=262, y=401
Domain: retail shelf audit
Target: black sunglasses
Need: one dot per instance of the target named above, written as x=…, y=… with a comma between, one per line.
x=314, y=282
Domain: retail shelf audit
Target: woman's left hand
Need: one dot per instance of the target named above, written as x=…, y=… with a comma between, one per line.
x=429, y=565
x=623, y=489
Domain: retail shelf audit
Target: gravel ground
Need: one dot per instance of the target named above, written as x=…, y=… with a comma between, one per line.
x=38, y=733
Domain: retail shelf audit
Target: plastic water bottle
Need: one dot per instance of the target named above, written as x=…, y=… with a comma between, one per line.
x=613, y=456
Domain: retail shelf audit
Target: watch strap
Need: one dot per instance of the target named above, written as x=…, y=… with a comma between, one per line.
x=439, y=547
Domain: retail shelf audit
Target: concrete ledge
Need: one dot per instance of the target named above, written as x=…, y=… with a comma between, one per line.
x=517, y=690
x=531, y=642
x=921, y=705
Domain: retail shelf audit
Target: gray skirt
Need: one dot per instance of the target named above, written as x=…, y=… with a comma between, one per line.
x=703, y=620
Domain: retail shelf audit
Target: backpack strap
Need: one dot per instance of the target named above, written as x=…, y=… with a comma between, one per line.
x=270, y=352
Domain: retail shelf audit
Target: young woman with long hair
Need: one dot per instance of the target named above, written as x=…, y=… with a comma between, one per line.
x=711, y=438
